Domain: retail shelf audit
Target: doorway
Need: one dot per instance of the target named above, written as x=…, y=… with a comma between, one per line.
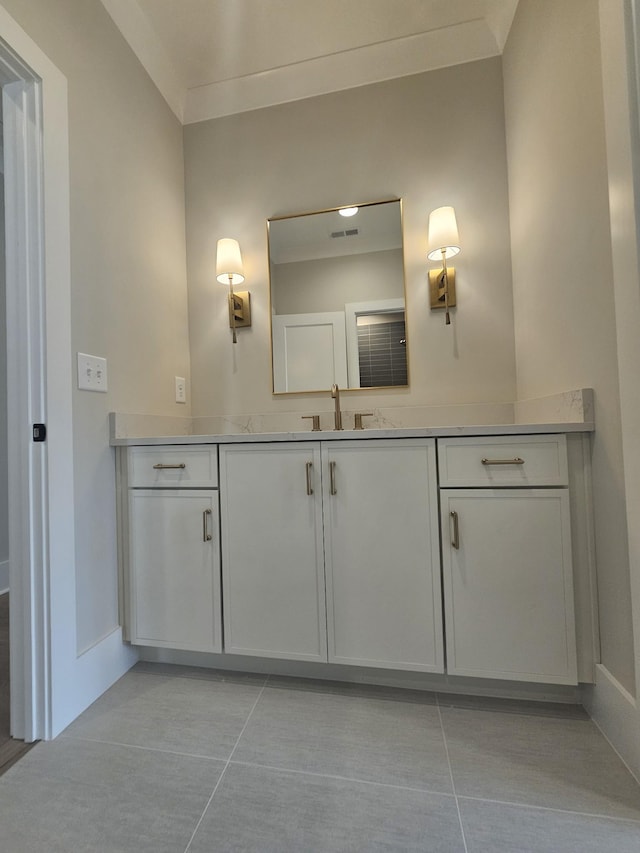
x=21, y=310
x=10, y=749
x=6, y=751
x=4, y=532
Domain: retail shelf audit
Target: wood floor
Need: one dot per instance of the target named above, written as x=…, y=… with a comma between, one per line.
x=10, y=750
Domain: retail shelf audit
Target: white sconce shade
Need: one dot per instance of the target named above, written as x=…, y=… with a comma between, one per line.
x=229, y=269
x=442, y=243
x=348, y=211
x=443, y=234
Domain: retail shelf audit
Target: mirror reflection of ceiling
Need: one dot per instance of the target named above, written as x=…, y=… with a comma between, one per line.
x=377, y=228
x=211, y=58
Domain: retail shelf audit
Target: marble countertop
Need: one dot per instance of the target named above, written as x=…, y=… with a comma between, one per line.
x=333, y=435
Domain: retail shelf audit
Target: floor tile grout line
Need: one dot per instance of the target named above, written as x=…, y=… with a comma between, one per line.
x=565, y=718
x=534, y=807
x=321, y=689
x=453, y=784
x=343, y=778
x=139, y=746
x=240, y=681
x=224, y=770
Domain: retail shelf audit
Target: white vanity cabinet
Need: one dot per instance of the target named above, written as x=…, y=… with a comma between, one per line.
x=173, y=555
x=454, y=553
x=506, y=551
x=330, y=552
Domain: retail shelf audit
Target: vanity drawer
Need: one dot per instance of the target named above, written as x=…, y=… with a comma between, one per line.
x=179, y=466
x=527, y=460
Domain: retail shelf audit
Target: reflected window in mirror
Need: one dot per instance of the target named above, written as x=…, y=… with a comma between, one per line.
x=338, y=299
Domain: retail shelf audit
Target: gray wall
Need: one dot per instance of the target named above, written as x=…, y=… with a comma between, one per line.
x=128, y=279
x=327, y=283
x=381, y=141
x=562, y=271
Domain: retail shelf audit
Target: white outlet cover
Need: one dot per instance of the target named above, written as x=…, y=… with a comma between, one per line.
x=181, y=389
x=92, y=373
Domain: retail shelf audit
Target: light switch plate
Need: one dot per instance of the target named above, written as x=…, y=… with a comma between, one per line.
x=92, y=373
x=181, y=389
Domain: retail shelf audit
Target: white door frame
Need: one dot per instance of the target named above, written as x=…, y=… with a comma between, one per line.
x=25, y=369
x=41, y=532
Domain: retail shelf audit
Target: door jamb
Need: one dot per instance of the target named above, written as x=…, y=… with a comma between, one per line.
x=41, y=524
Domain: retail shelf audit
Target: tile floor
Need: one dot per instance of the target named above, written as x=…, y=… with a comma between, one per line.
x=179, y=760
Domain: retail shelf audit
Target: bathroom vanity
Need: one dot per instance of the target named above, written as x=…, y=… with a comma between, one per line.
x=462, y=551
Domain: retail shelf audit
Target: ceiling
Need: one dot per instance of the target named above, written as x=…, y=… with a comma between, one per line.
x=211, y=58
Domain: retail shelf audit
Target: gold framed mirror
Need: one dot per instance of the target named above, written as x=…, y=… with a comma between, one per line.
x=338, y=306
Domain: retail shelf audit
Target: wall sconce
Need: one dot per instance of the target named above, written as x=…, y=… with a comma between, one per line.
x=442, y=244
x=229, y=271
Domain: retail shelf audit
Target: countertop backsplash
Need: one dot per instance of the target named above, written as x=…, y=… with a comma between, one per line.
x=573, y=408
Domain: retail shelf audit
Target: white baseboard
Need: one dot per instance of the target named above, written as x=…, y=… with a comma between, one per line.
x=614, y=710
x=4, y=576
x=95, y=671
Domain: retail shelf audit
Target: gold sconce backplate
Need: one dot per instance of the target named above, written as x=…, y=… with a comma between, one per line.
x=241, y=307
x=436, y=289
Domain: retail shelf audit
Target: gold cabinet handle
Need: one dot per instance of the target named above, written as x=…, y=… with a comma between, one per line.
x=160, y=465
x=309, y=467
x=332, y=478
x=455, y=541
x=206, y=536
x=516, y=461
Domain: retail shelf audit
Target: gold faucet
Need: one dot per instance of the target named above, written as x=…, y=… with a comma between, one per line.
x=335, y=393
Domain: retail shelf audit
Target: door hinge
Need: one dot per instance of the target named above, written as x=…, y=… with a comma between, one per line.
x=39, y=432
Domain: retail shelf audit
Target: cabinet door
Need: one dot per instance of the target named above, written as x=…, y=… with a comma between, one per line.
x=174, y=569
x=508, y=584
x=273, y=578
x=382, y=554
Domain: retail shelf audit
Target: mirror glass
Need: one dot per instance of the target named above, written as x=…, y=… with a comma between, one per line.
x=337, y=299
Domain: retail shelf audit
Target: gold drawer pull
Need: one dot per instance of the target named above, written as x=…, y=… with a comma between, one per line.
x=206, y=536
x=516, y=461
x=161, y=466
x=309, y=466
x=455, y=541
